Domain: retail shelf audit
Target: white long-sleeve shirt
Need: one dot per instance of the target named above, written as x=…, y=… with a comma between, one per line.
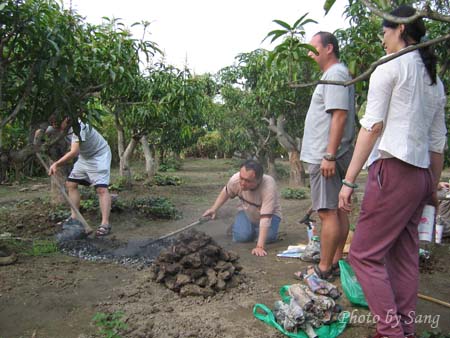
x=412, y=111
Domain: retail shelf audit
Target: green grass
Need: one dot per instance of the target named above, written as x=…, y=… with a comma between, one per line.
x=42, y=247
x=36, y=247
x=110, y=324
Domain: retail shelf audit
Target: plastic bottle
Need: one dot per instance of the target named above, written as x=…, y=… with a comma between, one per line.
x=313, y=248
x=311, y=230
x=439, y=230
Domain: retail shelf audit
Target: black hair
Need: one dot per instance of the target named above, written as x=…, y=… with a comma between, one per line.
x=415, y=30
x=326, y=38
x=255, y=166
x=54, y=119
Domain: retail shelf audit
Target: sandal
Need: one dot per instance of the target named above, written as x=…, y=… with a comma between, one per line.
x=103, y=230
x=335, y=270
x=315, y=258
x=325, y=275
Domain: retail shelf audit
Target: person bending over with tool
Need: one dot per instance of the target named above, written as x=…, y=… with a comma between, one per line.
x=259, y=212
x=91, y=168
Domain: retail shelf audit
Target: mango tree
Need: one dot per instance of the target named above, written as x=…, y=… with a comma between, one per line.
x=185, y=107
x=51, y=62
x=124, y=91
x=37, y=47
x=289, y=61
x=362, y=40
x=168, y=113
x=241, y=109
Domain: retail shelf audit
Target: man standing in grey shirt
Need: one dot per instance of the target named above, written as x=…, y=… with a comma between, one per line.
x=91, y=168
x=327, y=148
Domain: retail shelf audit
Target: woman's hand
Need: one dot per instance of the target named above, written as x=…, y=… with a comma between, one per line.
x=345, y=198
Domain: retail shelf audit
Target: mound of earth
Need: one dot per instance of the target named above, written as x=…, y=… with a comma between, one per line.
x=195, y=265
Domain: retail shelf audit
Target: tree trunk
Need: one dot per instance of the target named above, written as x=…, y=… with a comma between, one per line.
x=297, y=172
x=162, y=155
x=271, y=170
x=150, y=163
x=176, y=155
x=120, y=134
x=124, y=166
x=292, y=146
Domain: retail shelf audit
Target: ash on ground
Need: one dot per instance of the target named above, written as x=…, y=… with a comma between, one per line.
x=134, y=252
x=195, y=265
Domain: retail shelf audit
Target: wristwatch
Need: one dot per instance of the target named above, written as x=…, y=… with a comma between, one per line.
x=329, y=157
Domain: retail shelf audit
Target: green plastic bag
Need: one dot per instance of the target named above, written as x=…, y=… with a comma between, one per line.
x=263, y=313
x=350, y=285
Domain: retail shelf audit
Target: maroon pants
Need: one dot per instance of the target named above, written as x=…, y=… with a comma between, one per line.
x=385, y=249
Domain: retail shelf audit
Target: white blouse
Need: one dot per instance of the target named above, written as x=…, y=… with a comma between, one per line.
x=412, y=111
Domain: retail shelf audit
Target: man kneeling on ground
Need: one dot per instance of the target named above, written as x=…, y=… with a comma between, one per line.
x=259, y=212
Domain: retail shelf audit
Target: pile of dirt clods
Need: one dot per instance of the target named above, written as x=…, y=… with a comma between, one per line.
x=195, y=265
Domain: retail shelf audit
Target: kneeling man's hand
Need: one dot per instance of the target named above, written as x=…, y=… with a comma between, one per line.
x=259, y=251
x=210, y=213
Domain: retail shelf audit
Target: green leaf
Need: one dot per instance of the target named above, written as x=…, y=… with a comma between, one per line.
x=327, y=6
x=2, y=6
x=308, y=47
x=270, y=59
x=309, y=21
x=283, y=24
x=276, y=33
x=112, y=74
x=299, y=21
x=352, y=67
x=55, y=46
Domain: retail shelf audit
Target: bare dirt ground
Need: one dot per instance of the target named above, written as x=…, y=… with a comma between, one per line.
x=57, y=296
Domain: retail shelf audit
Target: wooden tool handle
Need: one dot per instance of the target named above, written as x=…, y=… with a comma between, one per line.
x=80, y=217
x=434, y=300
x=199, y=221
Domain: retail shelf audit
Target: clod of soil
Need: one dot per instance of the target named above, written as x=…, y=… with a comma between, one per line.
x=6, y=256
x=195, y=265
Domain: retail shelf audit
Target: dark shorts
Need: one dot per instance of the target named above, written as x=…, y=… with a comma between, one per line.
x=325, y=191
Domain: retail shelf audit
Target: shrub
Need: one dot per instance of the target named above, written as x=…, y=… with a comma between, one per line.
x=291, y=193
x=138, y=177
x=60, y=213
x=170, y=165
x=166, y=180
x=120, y=183
x=282, y=171
x=158, y=207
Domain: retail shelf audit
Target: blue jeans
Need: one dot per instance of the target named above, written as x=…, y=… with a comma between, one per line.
x=245, y=231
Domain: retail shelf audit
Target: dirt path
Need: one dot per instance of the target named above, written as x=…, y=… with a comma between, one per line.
x=57, y=296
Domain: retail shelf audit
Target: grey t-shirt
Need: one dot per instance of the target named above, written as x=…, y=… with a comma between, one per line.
x=92, y=144
x=325, y=99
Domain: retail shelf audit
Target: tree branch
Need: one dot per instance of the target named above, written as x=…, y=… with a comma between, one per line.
x=374, y=65
x=425, y=13
x=444, y=68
